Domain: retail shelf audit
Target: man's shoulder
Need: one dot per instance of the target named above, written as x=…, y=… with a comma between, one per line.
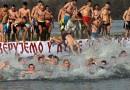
x=20, y=9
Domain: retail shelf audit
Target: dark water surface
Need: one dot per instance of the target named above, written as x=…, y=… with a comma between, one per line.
x=112, y=84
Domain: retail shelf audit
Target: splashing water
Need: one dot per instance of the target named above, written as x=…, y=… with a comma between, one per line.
x=101, y=49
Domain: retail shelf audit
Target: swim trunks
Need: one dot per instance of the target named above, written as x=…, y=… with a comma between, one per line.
x=86, y=19
x=42, y=23
x=27, y=25
x=33, y=22
x=5, y=28
x=62, y=21
x=127, y=26
x=66, y=18
x=106, y=24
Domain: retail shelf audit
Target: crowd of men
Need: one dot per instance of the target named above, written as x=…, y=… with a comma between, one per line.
x=43, y=66
x=36, y=22
x=89, y=21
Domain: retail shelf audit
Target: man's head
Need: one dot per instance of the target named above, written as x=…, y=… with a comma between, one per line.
x=47, y=8
x=40, y=60
x=89, y=2
x=24, y=19
x=104, y=62
x=66, y=63
x=25, y=4
x=21, y=60
x=5, y=7
x=74, y=2
x=56, y=60
x=31, y=67
x=96, y=6
x=123, y=54
x=40, y=3
x=13, y=7
x=107, y=5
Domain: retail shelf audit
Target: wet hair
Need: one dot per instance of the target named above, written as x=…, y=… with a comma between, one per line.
x=25, y=3
x=40, y=1
x=65, y=60
x=123, y=51
x=56, y=57
x=74, y=0
x=12, y=5
x=30, y=65
x=50, y=56
x=46, y=6
x=20, y=59
x=104, y=61
x=40, y=58
x=79, y=15
x=24, y=17
x=5, y=6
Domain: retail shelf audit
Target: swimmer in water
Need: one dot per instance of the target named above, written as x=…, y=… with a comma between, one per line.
x=123, y=54
x=66, y=64
x=103, y=64
x=31, y=70
x=90, y=62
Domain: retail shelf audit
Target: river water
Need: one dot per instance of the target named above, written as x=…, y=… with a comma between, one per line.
x=114, y=84
x=116, y=77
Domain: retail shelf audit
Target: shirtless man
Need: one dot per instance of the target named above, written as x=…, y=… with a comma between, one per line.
x=49, y=20
x=31, y=70
x=95, y=28
x=97, y=15
x=61, y=16
x=3, y=22
x=24, y=11
x=72, y=24
x=34, y=26
x=86, y=12
x=73, y=45
x=69, y=8
x=96, y=12
x=41, y=23
x=18, y=24
x=126, y=18
x=106, y=19
x=13, y=15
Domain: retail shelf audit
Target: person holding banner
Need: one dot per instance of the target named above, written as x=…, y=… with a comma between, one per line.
x=73, y=45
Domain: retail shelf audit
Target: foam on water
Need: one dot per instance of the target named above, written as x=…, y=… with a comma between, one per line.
x=101, y=49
